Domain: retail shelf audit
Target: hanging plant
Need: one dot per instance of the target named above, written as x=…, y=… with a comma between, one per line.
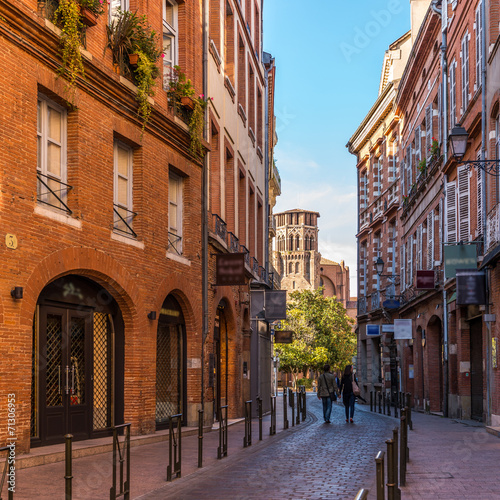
x=68, y=16
x=196, y=126
x=145, y=73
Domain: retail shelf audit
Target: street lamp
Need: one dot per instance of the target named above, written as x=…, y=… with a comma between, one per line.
x=458, y=140
x=379, y=266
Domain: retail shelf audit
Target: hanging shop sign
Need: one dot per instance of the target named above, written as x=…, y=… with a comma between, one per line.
x=387, y=328
x=283, y=337
x=471, y=287
x=459, y=257
x=391, y=304
x=425, y=280
x=230, y=269
x=269, y=305
x=403, y=329
x=373, y=330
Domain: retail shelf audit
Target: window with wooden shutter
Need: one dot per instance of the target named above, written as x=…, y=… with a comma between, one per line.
x=428, y=131
x=418, y=145
x=465, y=72
x=479, y=47
x=479, y=192
x=410, y=259
x=419, y=245
x=451, y=212
x=453, y=95
x=430, y=240
x=463, y=204
x=439, y=234
x=403, y=267
x=408, y=169
x=439, y=109
x=403, y=177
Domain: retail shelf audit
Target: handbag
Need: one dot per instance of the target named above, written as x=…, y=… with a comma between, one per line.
x=333, y=396
x=355, y=388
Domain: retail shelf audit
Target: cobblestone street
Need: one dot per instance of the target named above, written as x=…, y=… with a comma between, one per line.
x=312, y=461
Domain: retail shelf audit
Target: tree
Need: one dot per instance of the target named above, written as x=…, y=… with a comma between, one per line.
x=322, y=333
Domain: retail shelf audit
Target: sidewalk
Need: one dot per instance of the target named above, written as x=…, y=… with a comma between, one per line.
x=92, y=475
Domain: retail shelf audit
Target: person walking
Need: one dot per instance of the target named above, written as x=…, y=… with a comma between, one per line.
x=348, y=396
x=327, y=392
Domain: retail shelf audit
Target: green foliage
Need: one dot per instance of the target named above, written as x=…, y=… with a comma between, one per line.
x=68, y=16
x=322, y=333
x=434, y=150
x=305, y=381
x=145, y=74
x=196, y=126
x=179, y=86
x=422, y=166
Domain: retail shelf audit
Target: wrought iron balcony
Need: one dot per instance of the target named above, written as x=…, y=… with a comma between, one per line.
x=234, y=243
x=375, y=300
x=362, y=305
x=255, y=266
x=272, y=225
x=220, y=227
x=51, y=192
x=123, y=220
x=493, y=228
x=263, y=274
x=244, y=249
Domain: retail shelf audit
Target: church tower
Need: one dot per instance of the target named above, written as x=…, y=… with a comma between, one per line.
x=296, y=255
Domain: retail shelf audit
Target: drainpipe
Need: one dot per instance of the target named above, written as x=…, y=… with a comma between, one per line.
x=204, y=214
x=489, y=374
x=441, y=10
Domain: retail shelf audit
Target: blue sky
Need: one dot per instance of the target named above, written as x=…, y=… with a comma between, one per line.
x=329, y=57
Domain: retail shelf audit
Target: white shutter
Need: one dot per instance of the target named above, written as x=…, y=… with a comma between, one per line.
x=428, y=131
x=410, y=261
x=403, y=177
x=430, y=240
x=403, y=267
x=453, y=95
x=439, y=105
x=440, y=233
x=418, y=145
x=451, y=212
x=419, y=246
x=463, y=204
x=465, y=72
x=479, y=198
x=479, y=49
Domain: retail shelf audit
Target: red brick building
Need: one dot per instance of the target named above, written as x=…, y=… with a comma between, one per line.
x=450, y=363
x=105, y=222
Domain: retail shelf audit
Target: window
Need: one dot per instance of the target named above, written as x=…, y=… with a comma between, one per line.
x=115, y=6
x=170, y=37
x=465, y=72
x=297, y=243
x=430, y=240
x=479, y=46
x=451, y=212
x=123, y=215
x=453, y=95
x=51, y=153
x=479, y=193
x=296, y=268
x=428, y=131
x=418, y=145
x=463, y=203
x=175, y=196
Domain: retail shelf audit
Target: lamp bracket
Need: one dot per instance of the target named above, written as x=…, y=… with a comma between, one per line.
x=491, y=167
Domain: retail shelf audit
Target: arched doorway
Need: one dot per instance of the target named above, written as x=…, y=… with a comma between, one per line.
x=170, y=363
x=77, y=362
x=434, y=364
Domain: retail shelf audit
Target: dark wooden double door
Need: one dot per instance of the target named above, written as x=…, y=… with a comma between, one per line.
x=66, y=373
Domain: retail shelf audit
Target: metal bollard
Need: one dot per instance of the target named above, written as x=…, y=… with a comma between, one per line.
x=395, y=396
x=174, y=447
x=379, y=402
x=383, y=402
x=395, y=461
x=292, y=404
x=200, y=438
x=285, y=410
x=121, y=463
x=371, y=400
x=362, y=494
x=299, y=406
x=247, y=439
x=402, y=451
x=259, y=402
x=304, y=405
x=408, y=413
x=272, y=429
x=222, y=449
x=379, y=464
x=68, y=477
x=391, y=487
x=388, y=397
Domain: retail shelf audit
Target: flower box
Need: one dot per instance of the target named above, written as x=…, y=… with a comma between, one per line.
x=88, y=17
x=133, y=59
x=187, y=102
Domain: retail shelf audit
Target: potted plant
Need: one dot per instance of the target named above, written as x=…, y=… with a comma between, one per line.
x=180, y=89
x=434, y=150
x=120, y=34
x=422, y=166
x=196, y=125
x=90, y=10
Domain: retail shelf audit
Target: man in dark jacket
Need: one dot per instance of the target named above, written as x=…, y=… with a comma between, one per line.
x=326, y=387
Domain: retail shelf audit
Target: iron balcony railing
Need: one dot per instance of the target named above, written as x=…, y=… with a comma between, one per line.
x=51, y=192
x=220, y=227
x=255, y=266
x=375, y=300
x=272, y=224
x=123, y=222
x=234, y=243
x=362, y=305
x=263, y=274
x=493, y=228
x=244, y=249
x=175, y=243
